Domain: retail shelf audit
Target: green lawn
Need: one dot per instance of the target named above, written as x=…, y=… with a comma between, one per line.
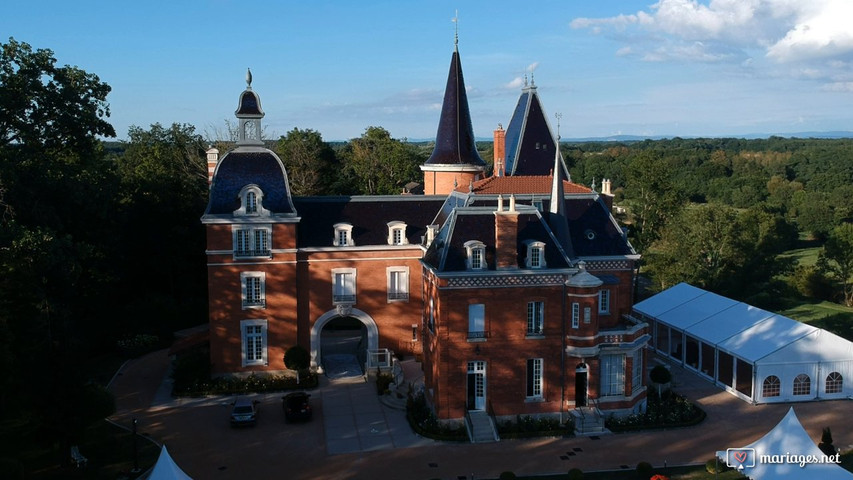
x=805, y=256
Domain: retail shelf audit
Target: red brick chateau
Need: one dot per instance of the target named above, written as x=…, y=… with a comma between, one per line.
x=514, y=289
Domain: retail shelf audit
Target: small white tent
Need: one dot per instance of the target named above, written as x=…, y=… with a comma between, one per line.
x=167, y=469
x=789, y=445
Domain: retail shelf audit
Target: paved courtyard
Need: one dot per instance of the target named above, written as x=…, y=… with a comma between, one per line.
x=353, y=436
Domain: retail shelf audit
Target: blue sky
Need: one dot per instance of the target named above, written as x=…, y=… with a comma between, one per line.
x=674, y=67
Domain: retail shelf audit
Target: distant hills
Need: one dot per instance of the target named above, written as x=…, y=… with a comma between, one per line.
x=751, y=136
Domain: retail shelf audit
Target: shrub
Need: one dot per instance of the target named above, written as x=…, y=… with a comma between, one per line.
x=297, y=358
x=672, y=410
x=715, y=466
x=138, y=345
x=644, y=470
x=576, y=474
x=527, y=426
x=424, y=423
x=825, y=444
x=507, y=476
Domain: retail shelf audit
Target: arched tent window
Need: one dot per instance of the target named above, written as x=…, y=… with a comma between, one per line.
x=772, y=387
x=802, y=384
x=834, y=382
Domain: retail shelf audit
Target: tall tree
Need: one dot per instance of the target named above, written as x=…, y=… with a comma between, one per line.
x=163, y=174
x=310, y=162
x=836, y=259
x=653, y=194
x=380, y=165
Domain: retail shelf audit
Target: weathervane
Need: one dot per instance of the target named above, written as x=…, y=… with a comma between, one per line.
x=249, y=77
x=558, y=116
x=455, y=20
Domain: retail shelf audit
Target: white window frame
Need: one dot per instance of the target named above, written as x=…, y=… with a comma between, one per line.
x=637, y=370
x=476, y=253
x=612, y=375
x=834, y=383
x=257, y=328
x=246, y=290
x=771, y=386
x=802, y=385
x=534, y=382
x=535, y=318
x=535, y=254
x=342, y=293
x=397, y=282
x=477, y=321
x=343, y=235
x=604, y=302
x=576, y=315
x=397, y=233
x=252, y=241
x=246, y=209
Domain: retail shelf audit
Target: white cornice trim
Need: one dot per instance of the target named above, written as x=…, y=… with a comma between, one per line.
x=452, y=167
x=229, y=219
x=365, y=248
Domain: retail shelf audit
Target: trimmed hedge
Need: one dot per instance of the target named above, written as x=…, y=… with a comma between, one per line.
x=671, y=411
x=424, y=423
x=529, y=427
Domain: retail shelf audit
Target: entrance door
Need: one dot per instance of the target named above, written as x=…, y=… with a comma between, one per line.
x=581, y=382
x=476, y=385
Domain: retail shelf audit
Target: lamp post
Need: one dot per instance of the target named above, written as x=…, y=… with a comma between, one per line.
x=135, y=450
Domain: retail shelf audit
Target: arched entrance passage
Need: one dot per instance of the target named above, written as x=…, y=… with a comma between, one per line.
x=342, y=319
x=581, y=384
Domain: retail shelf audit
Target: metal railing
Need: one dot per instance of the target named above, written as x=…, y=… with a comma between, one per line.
x=381, y=358
x=398, y=295
x=478, y=334
x=343, y=298
x=263, y=252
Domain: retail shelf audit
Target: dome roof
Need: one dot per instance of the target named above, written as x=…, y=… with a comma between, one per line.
x=246, y=166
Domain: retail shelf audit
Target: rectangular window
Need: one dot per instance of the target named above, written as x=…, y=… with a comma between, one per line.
x=576, y=313
x=254, y=345
x=535, y=317
x=604, y=302
x=343, y=285
x=535, y=257
x=477, y=321
x=612, y=375
x=534, y=378
x=252, y=242
x=637, y=370
x=397, y=236
x=587, y=313
x=253, y=289
x=476, y=258
x=398, y=283
x=343, y=238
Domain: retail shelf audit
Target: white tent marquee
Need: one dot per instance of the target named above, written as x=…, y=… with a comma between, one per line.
x=758, y=355
x=166, y=468
x=787, y=445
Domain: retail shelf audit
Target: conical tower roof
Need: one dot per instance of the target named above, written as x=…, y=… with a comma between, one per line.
x=454, y=141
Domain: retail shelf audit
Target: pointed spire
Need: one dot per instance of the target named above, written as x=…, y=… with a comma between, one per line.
x=454, y=141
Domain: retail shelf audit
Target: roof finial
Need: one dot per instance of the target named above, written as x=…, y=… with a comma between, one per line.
x=248, y=78
x=558, y=116
x=532, y=83
x=456, y=22
x=525, y=79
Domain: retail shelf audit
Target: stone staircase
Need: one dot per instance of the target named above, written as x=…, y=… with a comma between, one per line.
x=481, y=428
x=588, y=421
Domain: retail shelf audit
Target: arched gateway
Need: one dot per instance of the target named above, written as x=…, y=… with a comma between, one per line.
x=340, y=316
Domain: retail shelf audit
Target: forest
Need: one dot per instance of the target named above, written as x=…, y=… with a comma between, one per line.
x=102, y=250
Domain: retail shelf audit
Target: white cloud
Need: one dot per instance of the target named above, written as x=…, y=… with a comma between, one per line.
x=532, y=66
x=515, y=84
x=839, y=87
x=786, y=30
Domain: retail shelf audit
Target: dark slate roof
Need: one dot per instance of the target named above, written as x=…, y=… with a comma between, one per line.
x=250, y=104
x=244, y=166
x=586, y=214
x=454, y=141
x=369, y=217
x=530, y=146
x=447, y=253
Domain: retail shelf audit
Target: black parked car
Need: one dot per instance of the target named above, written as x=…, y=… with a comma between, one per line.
x=296, y=406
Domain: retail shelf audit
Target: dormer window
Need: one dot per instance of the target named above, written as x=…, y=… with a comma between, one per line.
x=397, y=233
x=343, y=235
x=535, y=254
x=476, y=252
x=251, y=202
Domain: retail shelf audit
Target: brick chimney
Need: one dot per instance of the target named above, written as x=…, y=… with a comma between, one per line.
x=506, y=237
x=212, y=159
x=500, y=151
